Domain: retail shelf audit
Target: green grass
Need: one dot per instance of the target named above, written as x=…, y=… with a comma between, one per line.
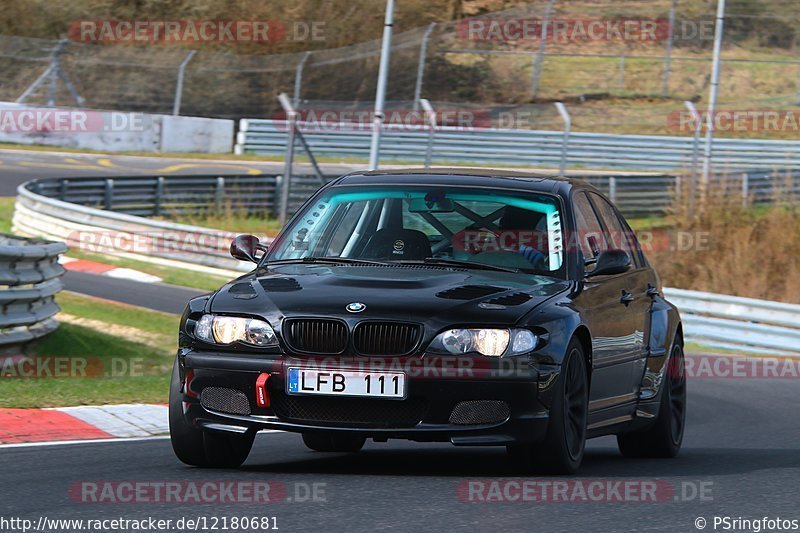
x=6, y=212
x=232, y=220
x=121, y=370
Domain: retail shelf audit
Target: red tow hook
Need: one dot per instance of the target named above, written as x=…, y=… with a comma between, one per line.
x=262, y=394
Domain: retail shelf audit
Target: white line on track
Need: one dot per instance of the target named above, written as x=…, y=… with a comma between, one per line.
x=99, y=441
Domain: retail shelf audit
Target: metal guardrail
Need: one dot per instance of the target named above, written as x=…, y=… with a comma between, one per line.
x=742, y=324
x=29, y=281
x=739, y=324
x=512, y=147
x=109, y=216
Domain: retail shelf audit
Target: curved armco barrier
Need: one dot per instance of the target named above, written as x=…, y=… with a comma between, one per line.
x=50, y=208
x=106, y=225
x=29, y=273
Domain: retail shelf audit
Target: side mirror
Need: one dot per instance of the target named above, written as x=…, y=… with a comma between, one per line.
x=244, y=248
x=610, y=262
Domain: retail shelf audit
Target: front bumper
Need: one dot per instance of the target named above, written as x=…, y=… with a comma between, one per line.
x=426, y=415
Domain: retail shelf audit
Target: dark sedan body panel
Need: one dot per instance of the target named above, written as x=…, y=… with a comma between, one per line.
x=627, y=330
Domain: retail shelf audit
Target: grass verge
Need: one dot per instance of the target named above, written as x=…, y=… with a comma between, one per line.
x=118, y=367
x=6, y=212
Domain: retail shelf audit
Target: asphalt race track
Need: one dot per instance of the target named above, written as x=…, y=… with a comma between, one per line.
x=155, y=296
x=741, y=448
x=19, y=166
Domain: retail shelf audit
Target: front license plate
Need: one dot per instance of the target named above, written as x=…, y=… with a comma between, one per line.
x=346, y=383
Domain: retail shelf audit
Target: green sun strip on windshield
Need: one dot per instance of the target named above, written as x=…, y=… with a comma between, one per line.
x=315, y=218
x=531, y=205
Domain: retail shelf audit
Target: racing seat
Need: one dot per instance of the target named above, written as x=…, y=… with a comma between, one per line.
x=398, y=244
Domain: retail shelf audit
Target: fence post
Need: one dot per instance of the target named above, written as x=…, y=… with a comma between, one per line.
x=291, y=126
x=562, y=110
x=668, y=51
x=423, y=53
x=798, y=91
x=430, y=114
x=298, y=78
x=621, y=87
x=159, y=194
x=539, y=58
x=176, y=107
x=712, y=98
x=108, y=197
x=219, y=194
x=698, y=125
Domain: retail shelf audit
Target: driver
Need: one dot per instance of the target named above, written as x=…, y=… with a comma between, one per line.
x=520, y=228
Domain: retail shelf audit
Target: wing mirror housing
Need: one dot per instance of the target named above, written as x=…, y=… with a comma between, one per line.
x=610, y=262
x=245, y=247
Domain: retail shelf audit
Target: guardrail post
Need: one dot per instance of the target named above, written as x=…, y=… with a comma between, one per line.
x=745, y=188
x=108, y=197
x=562, y=110
x=62, y=190
x=158, y=196
x=621, y=73
x=612, y=189
x=219, y=194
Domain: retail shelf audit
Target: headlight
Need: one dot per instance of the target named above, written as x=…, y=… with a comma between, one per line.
x=485, y=341
x=230, y=329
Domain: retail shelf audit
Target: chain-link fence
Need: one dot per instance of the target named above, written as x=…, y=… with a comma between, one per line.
x=624, y=67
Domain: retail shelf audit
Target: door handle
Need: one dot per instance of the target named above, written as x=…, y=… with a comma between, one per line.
x=626, y=298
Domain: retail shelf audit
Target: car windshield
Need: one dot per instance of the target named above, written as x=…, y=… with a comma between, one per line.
x=466, y=227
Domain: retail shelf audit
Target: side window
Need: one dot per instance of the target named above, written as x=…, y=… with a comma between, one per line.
x=589, y=235
x=618, y=235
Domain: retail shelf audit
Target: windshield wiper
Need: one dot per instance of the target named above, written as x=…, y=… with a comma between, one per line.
x=325, y=260
x=465, y=264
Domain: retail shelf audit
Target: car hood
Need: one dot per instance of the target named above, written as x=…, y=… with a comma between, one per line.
x=436, y=296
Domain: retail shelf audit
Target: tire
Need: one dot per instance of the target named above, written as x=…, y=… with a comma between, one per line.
x=200, y=448
x=332, y=442
x=227, y=450
x=187, y=441
x=561, y=452
x=665, y=437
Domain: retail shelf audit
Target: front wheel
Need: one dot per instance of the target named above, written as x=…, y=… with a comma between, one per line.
x=200, y=448
x=561, y=452
x=665, y=437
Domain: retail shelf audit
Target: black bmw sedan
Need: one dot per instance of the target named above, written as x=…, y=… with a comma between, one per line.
x=481, y=308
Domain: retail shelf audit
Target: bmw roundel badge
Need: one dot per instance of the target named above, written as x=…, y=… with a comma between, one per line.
x=356, y=307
